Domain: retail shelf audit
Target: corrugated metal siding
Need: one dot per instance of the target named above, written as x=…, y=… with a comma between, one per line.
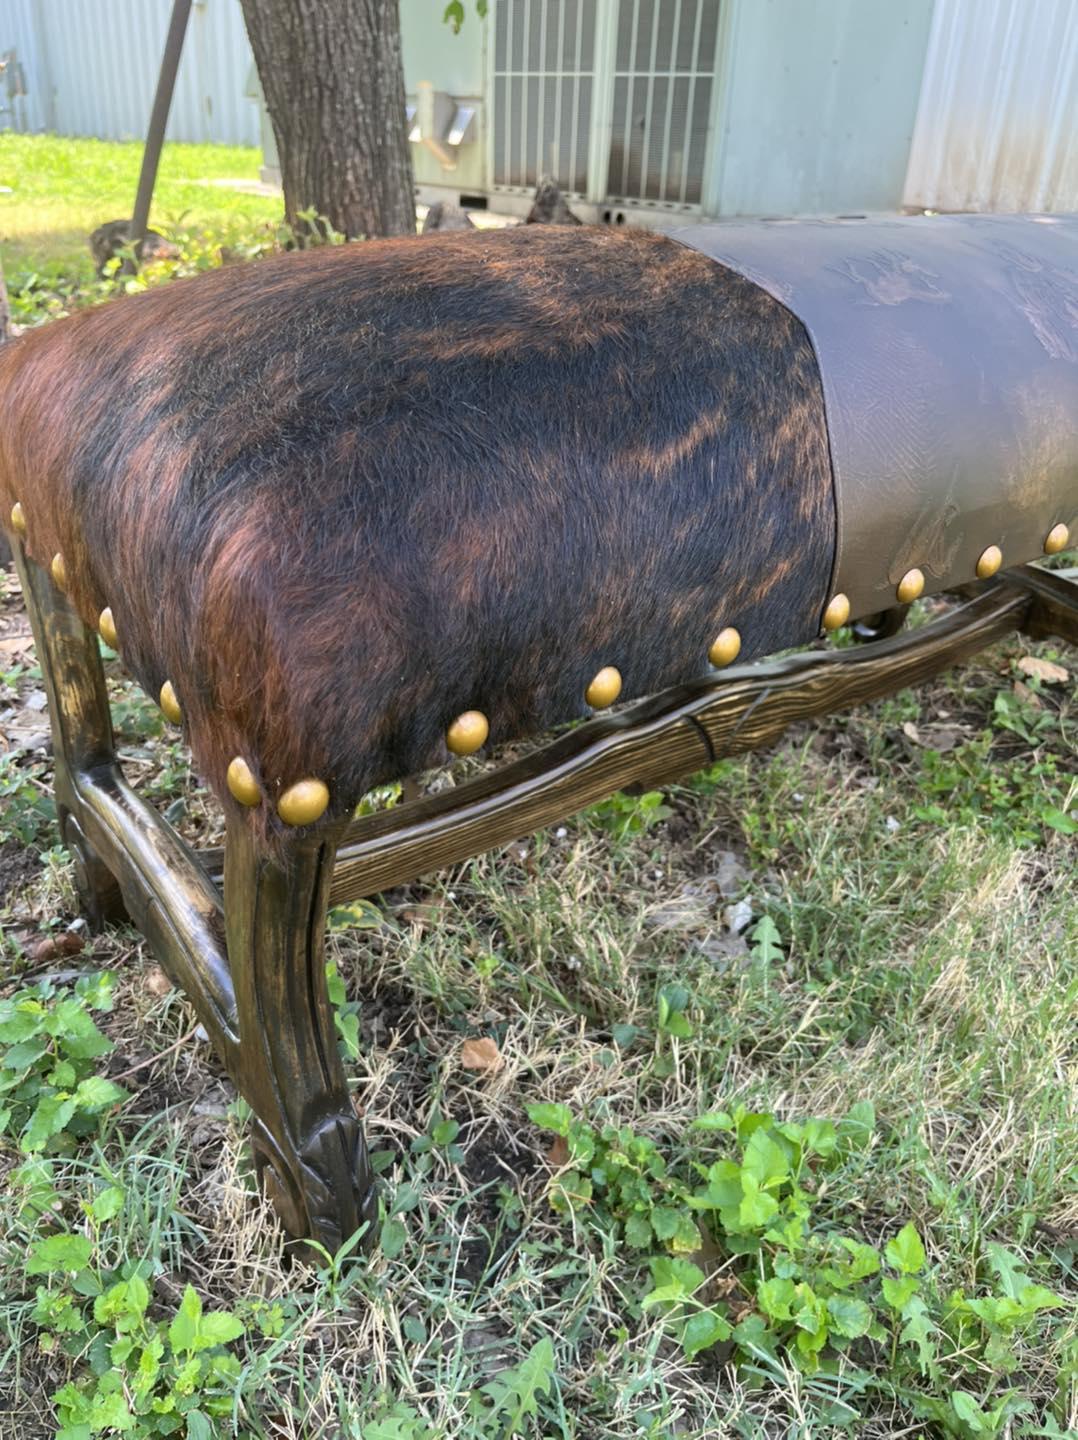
x=20, y=30
x=92, y=66
x=997, y=123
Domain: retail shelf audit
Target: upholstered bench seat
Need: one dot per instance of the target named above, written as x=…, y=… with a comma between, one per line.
x=345, y=512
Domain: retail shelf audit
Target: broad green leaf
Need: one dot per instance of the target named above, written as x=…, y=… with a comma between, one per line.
x=19, y=1019
x=714, y=1120
x=702, y=1330
x=49, y=1118
x=674, y=1279
x=516, y=1391
x=95, y=1092
x=1008, y=1267
x=183, y=1332
x=1059, y=820
x=850, y=1317
x=899, y=1290
x=919, y=1330
x=198, y=1426
x=356, y=915
x=638, y=1231
x=218, y=1327
x=757, y=1206
x=820, y=1137
x=969, y=1412
x=766, y=941
x=20, y=1057
x=678, y=1025
x=777, y=1297
x=107, y=1203
x=335, y=990
x=905, y=1252
x=765, y=1158
x=665, y=1221
x=59, y=1253
x=394, y=1237
x=551, y=1117
x=857, y=1128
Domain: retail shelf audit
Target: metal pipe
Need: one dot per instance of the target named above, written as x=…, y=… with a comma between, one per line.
x=162, y=102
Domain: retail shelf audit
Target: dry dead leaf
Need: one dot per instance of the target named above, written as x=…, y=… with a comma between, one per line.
x=1046, y=670
x=1023, y=692
x=427, y=914
x=481, y=1054
x=68, y=943
x=156, y=981
x=558, y=1154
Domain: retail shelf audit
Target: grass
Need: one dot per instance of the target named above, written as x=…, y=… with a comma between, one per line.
x=62, y=189
x=911, y=960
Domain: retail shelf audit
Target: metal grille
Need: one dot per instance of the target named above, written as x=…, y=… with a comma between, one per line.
x=544, y=79
x=664, y=72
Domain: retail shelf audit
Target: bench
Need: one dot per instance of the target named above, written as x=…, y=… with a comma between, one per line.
x=347, y=513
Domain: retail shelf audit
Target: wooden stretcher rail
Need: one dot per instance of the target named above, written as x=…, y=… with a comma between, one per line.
x=664, y=739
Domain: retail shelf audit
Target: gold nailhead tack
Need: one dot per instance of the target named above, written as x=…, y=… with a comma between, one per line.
x=18, y=519
x=58, y=571
x=604, y=689
x=1056, y=539
x=989, y=562
x=911, y=586
x=468, y=733
x=242, y=783
x=725, y=648
x=170, y=706
x=106, y=628
x=304, y=802
x=837, y=612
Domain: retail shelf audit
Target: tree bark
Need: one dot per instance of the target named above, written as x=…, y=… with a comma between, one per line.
x=333, y=80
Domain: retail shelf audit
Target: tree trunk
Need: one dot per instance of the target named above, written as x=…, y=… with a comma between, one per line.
x=333, y=80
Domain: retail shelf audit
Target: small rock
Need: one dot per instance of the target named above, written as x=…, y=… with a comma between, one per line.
x=731, y=876
x=738, y=917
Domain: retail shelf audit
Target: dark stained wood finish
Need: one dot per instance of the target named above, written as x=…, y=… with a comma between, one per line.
x=656, y=742
x=308, y=1143
x=252, y=964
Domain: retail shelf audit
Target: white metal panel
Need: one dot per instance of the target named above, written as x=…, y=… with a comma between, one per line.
x=997, y=123
x=92, y=68
x=20, y=30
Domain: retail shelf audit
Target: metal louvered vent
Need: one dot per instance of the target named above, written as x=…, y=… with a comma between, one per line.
x=544, y=80
x=664, y=72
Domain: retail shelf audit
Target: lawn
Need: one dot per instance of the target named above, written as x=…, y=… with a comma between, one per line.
x=62, y=189
x=746, y=1109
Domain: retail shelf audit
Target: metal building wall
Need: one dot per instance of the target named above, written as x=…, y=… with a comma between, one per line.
x=817, y=105
x=997, y=123
x=91, y=68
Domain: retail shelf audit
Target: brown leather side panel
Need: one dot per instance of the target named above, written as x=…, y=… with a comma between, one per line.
x=948, y=351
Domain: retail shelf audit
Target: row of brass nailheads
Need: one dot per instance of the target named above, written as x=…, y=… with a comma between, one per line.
x=912, y=584
x=306, y=800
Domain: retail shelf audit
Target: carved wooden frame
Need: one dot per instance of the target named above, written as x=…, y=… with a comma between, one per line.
x=245, y=942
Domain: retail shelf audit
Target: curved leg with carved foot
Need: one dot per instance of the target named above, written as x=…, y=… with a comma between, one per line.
x=308, y=1143
x=82, y=739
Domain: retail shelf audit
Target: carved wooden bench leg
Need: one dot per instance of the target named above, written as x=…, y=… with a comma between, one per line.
x=308, y=1143
x=82, y=737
